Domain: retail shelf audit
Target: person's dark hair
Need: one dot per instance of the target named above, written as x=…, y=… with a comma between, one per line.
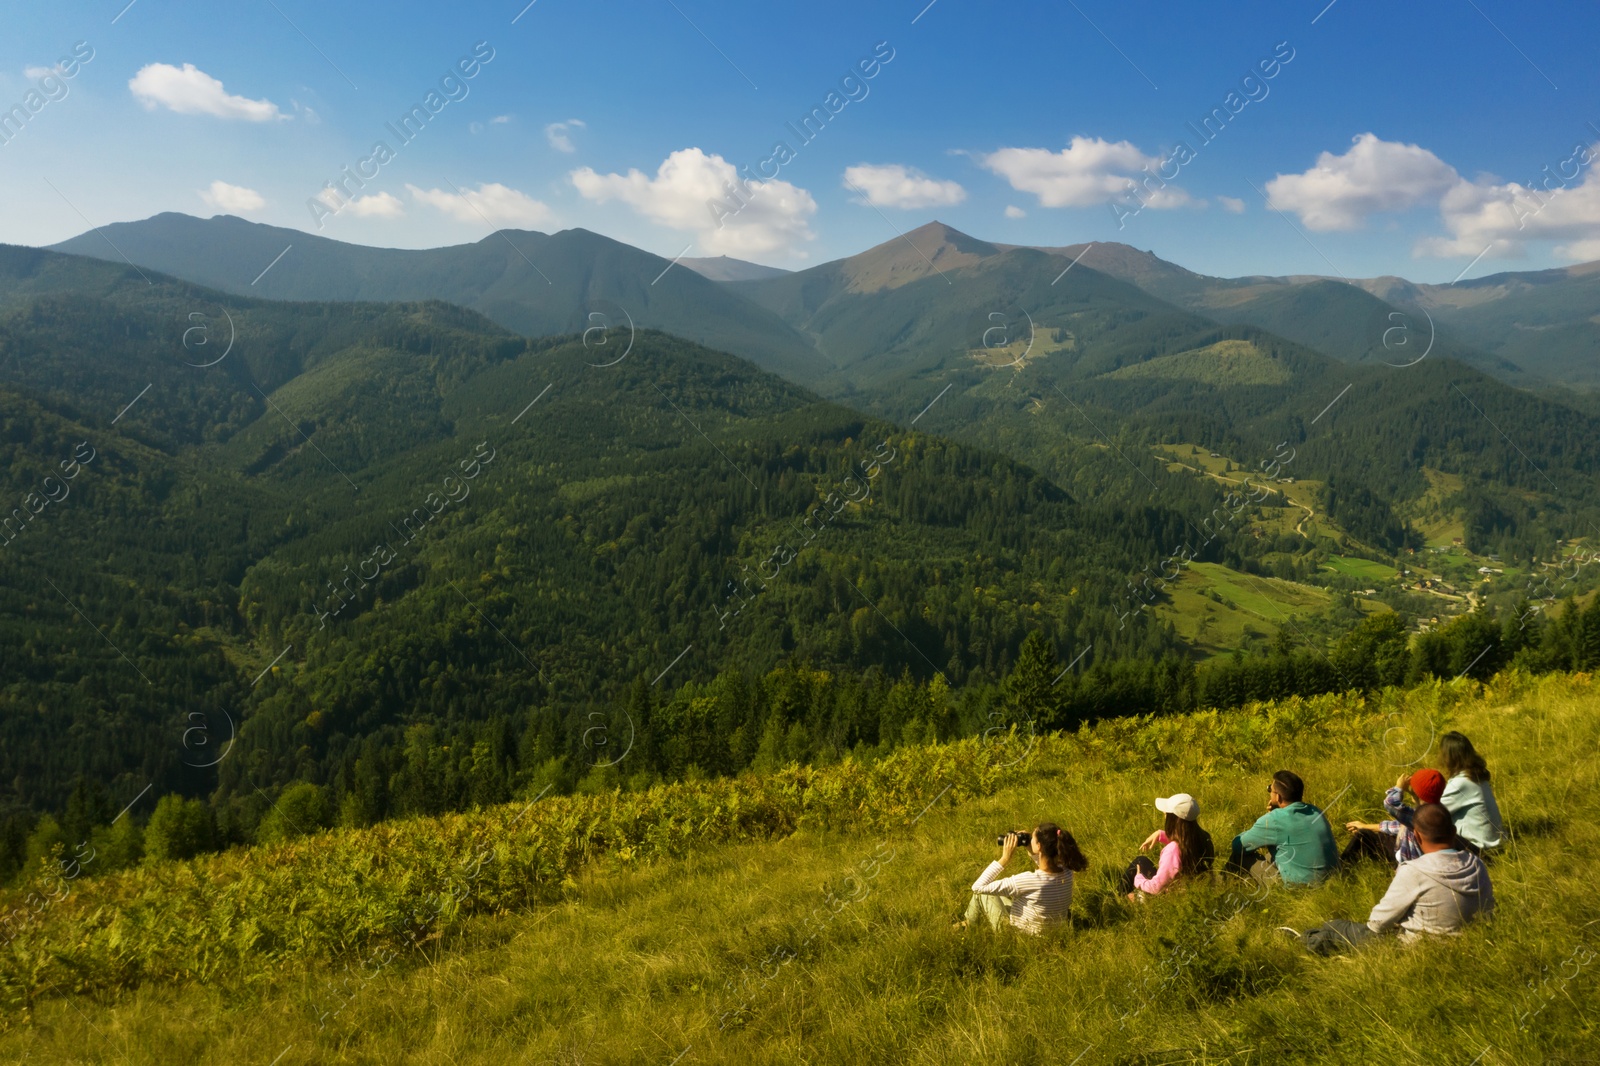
x=1287, y=786
x=1190, y=839
x=1460, y=757
x=1433, y=823
x=1060, y=851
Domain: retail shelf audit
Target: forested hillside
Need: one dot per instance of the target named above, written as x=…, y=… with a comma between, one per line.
x=1079, y=374
x=363, y=530
x=278, y=563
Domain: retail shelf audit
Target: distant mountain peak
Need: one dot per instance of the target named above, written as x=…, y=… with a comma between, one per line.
x=726, y=268
x=923, y=252
x=941, y=233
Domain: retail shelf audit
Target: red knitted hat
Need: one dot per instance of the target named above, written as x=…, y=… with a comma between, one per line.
x=1427, y=785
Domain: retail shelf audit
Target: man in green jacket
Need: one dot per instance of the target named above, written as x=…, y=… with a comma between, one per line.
x=1296, y=836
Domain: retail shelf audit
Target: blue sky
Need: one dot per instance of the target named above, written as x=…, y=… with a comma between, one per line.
x=1398, y=139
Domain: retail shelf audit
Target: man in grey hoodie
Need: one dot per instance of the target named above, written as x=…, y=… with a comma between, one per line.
x=1438, y=893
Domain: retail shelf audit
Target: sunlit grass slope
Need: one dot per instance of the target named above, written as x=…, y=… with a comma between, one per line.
x=817, y=929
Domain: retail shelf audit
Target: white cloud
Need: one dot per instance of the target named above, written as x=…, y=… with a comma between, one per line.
x=1013, y=211
x=1486, y=216
x=703, y=194
x=306, y=112
x=1089, y=172
x=35, y=73
x=1583, y=251
x=497, y=204
x=194, y=92
x=378, y=205
x=1502, y=216
x=557, y=133
x=1580, y=250
x=1231, y=204
x=1340, y=192
x=893, y=185
x=234, y=199
x=501, y=120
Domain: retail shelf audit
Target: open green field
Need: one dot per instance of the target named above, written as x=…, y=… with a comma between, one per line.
x=1194, y=455
x=1439, y=523
x=1365, y=569
x=1020, y=351
x=1443, y=532
x=1229, y=362
x=1244, y=606
x=833, y=945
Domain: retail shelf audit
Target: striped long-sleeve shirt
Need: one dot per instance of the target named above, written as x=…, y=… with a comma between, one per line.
x=1037, y=898
x=1406, y=847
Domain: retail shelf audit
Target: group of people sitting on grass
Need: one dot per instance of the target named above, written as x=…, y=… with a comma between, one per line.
x=1438, y=848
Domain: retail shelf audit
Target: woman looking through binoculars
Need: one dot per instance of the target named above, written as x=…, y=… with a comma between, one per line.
x=1034, y=899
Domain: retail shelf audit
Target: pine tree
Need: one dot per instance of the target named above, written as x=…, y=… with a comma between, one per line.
x=1029, y=688
x=1588, y=657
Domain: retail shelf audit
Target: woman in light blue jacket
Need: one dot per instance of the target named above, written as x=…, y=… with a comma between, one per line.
x=1468, y=795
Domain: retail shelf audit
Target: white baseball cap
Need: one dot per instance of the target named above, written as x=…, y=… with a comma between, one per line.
x=1183, y=805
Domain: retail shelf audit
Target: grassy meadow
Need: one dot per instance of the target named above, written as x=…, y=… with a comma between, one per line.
x=815, y=926
x=1218, y=609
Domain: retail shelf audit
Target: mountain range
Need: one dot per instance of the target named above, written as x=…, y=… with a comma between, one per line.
x=1117, y=339
x=1047, y=355
x=1533, y=328
x=534, y=284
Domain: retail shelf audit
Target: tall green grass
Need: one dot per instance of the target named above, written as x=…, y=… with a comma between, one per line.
x=830, y=941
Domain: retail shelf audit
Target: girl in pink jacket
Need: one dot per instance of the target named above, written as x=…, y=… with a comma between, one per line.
x=1185, y=848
